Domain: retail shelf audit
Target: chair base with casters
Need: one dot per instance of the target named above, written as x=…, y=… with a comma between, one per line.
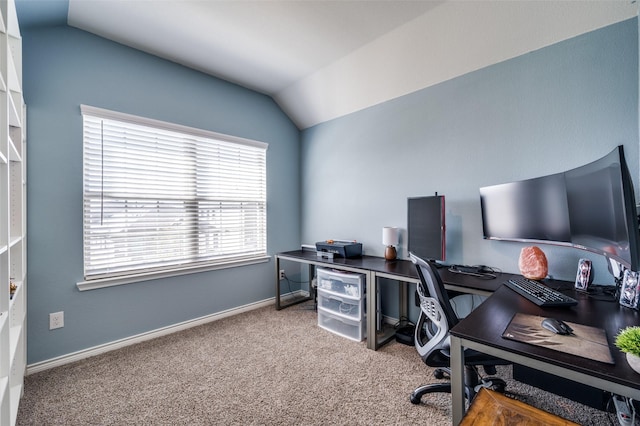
x=438, y=314
x=472, y=384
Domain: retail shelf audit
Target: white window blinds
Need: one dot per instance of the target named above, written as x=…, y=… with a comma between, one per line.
x=159, y=196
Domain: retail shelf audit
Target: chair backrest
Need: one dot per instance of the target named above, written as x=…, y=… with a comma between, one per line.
x=436, y=314
x=432, y=283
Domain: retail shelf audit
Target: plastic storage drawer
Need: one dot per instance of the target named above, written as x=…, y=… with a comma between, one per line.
x=351, y=329
x=346, y=307
x=341, y=283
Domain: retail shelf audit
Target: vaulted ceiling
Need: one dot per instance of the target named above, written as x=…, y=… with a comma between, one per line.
x=321, y=59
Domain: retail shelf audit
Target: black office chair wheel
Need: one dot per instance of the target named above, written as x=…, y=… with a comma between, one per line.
x=490, y=370
x=498, y=385
x=438, y=373
x=494, y=383
x=417, y=394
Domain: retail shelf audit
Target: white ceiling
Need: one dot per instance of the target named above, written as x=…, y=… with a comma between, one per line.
x=321, y=59
x=263, y=45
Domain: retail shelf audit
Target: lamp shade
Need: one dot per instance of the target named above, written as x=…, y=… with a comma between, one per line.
x=390, y=236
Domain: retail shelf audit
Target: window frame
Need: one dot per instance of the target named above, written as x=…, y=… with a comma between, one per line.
x=111, y=279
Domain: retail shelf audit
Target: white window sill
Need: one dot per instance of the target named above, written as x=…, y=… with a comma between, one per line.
x=129, y=279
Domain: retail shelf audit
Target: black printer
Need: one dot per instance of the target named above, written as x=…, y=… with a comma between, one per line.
x=340, y=248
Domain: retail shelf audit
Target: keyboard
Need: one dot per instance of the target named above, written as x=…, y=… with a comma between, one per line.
x=539, y=293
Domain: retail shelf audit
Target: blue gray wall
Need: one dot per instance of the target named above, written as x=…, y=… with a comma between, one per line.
x=66, y=67
x=544, y=112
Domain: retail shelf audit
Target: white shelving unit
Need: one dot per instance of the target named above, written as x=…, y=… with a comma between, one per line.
x=13, y=243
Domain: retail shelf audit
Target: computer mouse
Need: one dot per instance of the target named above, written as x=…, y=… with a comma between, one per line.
x=556, y=326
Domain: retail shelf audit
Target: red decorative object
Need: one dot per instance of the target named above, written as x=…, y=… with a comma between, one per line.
x=533, y=263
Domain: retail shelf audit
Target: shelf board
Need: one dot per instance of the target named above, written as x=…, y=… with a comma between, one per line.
x=13, y=82
x=4, y=316
x=15, y=335
x=3, y=248
x=16, y=393
x=4, y=383
x=14, y=117
x=14, y=155
x=13, y=27
x=3, y=28
x=15, y=240
x=12, y=300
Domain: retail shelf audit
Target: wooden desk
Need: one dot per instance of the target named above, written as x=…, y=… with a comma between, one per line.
x=403, y=271
x=482, y=330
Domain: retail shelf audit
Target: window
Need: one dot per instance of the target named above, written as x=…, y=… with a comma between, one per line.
x=160, y=197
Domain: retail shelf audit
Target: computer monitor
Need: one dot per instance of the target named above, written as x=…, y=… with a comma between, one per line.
x=426, y=227
x=591, y=207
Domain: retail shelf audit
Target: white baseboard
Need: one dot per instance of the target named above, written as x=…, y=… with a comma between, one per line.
x=389, y=320
x=127, y=341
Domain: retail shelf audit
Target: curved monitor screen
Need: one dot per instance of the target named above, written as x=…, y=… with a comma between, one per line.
x=591, y=207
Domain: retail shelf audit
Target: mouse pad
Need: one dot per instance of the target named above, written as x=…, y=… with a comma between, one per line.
x=586, y=342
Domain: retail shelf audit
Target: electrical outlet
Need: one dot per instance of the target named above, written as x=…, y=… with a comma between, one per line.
x=56, y=320
x=282, y=274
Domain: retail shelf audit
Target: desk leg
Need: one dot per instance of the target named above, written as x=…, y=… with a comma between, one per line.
x=372, y=308
x=312, y=290
x=457, y=381
x=289, y=300
x=404, y=300
x=277, y=262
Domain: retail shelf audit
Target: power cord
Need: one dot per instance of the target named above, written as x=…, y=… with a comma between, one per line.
x=478, y=271
x=289, y=281
x=405, y=331
x=403, y=322
x=606, y=293
x=347, y=308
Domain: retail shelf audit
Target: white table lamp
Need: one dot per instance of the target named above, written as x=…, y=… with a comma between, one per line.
x=390, y=239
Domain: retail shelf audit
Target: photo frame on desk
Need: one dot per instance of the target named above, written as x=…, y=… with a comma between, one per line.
x=630, y=291
x=584, y=277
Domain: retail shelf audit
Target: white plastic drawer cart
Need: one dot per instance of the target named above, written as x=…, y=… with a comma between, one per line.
x=341, y=303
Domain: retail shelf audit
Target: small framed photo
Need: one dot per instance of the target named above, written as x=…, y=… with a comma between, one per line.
x=583, y=276
x=630, y=293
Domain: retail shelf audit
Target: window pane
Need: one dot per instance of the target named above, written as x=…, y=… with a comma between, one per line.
x=158, y=199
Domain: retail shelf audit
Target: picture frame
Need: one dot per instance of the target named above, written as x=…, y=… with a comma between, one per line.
x=630, y=291
x=583, y=275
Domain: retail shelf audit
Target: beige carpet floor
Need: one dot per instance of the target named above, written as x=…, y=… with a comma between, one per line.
x=265, y=367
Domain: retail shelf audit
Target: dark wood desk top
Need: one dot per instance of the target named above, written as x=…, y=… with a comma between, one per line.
x=400, y=267
x=403, y=268
x=486, y=324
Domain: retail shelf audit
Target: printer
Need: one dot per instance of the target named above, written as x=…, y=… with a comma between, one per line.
x=339, y=248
